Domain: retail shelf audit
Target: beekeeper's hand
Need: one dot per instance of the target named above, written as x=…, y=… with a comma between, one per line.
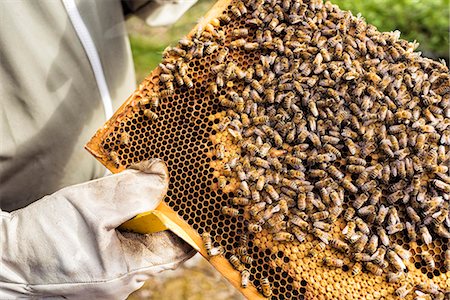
x=67, y=245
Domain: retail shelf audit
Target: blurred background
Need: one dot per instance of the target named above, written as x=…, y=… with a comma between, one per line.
x=426, y=21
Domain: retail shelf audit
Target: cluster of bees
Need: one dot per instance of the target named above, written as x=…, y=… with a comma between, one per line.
x=336, y=121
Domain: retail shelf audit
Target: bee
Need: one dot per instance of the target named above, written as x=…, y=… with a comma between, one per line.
x=349, y=214
x=403, y=291
x=207, y=241
x=356, y=268
x=375, y=196
x=402, y=252
x=356, y=160
x=245, y=278
x=321, y=235
x=381, y=216
x=236, y=263
x=266, y=288
x=392, y=277
x=240, y=201
x=411, y=231
x=374, y=269
x=360, y=243
x=393, y=229
x=272, y=192
x=244, y=189
x=340, y=245
x=360, y=201
x=355, y=169
x=283, y=237
x=254, y=228
x=301, y=201
x=222, y=182
x=299, y=234
x=222, y=55
x=351, y=146
x=441, y=185
x=115, y=158
x=425, y=235
x=246, y=259
x=335, y=173
x=372, y=245
x=150, y=115
x=430, y=288
x=384, y=238
x=394, y=197
x=428, y=259
x=368, y=186
x=395, y=260
x=229, y=211
x=124, y=138
x=335, y=198
x=333, y=262
x=216, y=251
x=298, y=221
x=257, y=86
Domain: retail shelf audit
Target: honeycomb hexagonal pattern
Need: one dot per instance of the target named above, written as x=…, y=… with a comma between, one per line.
x=183, y=131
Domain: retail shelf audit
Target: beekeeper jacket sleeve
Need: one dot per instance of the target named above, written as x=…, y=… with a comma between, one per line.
x=50, y=99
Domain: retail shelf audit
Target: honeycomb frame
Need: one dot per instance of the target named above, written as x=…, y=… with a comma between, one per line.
x=294, y=274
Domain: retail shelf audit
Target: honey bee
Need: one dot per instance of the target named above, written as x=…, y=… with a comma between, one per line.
x=349, y=186
x=428, y=259
x=222, y=55
x=124, y=138
x=222, y=182
x=321, y=235
x=229, y=211
x=254, y=228
x=245, y=278
x=236, y=263
x=333, y=262
x=403, y=291
x=216, y=251
x=335, y=173
x=411, y=231
x=150, y=114
x=384, y=238
x=207, y=241
x=340, y=245
x=393, y=229
x=374, y=269
x=441, y=185
x=360, y=201
x=360, y=243
x=425, y=235
x=266, y=288
x=298, y=221
x=283, y=237
x=349, y=214
x=299, y=234
x=246, y=259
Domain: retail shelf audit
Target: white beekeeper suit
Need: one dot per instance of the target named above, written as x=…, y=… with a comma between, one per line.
x=61, y=64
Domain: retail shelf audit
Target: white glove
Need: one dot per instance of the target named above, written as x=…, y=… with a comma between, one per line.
x=67, y=245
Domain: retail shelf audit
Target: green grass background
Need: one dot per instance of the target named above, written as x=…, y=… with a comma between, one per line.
x=426, y=21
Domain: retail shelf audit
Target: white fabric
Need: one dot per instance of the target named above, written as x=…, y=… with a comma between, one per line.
x=92, y=54
x=66, y=244
x=164, y=12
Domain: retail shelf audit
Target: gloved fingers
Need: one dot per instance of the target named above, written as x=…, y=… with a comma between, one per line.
x=152, y=166
x=154, y=252
x=115, y=199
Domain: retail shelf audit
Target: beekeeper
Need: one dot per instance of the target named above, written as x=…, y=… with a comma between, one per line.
x=65, y=66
